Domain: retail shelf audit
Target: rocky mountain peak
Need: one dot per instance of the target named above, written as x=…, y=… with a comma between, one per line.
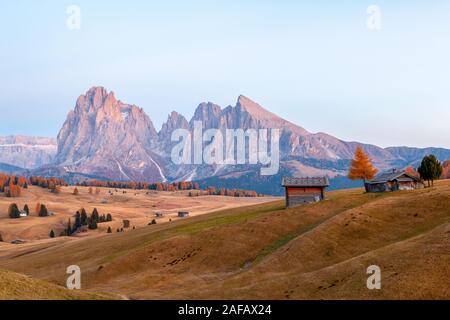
x=209, y=113
x=106, y=137
x=174, y=121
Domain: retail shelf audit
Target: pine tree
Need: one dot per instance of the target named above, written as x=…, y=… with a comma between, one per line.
x=52, y=234
x=13, y=211
x=361, y=167
x=109, y=230
x=93, y=225
x=95, y=216
x=84, y=217
x=77, y=221
x=26, y=209
x=108, y=217
x=43, y=212
x=430, y=169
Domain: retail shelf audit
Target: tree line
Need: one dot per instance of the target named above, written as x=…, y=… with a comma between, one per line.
x=158, y=186
x=12, y=185
x=82, y=219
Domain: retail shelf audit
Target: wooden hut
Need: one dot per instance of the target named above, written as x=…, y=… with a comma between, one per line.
x=304, y=190
x=183, y=214
x=393, y=181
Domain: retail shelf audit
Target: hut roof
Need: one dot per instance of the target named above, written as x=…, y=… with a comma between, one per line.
x=391, y=176
x=306, y=182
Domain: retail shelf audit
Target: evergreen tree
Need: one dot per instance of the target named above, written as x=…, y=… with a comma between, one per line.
x=84, y=217
x=13, y=211
x=109, y=230
x=430, y=169
x=43, y=212
x=77, y=220
x=93, y=225
x=26, y=209
x=109, y=217
x=95, y=216
x=52, y=234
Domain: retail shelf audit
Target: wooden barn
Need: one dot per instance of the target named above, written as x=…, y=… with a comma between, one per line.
x=183, y=214
x=304, y=190
x=393, y=181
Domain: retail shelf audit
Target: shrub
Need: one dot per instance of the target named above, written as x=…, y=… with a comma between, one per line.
x=52, y=234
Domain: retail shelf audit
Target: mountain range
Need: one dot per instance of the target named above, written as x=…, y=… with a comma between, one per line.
x=105, y=138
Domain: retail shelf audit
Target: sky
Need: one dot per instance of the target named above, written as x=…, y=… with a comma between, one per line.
x=317, y=63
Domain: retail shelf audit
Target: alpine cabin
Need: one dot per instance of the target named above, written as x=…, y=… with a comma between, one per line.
x=304, y=190
x=393, y=181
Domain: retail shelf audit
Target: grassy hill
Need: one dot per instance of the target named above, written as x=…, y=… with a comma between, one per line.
x=16, y=286
x=319, y=251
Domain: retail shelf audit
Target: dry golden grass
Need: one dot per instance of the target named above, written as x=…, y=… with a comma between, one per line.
x=319, y=251
x=137, y=206
x=15, y=286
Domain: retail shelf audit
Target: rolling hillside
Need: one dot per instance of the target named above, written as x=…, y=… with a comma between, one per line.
x=319, y=251
x=15, y=286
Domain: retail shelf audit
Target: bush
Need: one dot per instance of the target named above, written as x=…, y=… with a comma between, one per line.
x=52, y=234
x=109, y=230
x=26, y=209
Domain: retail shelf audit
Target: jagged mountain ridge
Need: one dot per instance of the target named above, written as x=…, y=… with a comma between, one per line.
x=105, y=138
x=27, y=152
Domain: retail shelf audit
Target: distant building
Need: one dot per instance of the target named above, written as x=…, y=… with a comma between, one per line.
x=304, y=190
x=23, y=214
x=183, y=214
x=393, y=181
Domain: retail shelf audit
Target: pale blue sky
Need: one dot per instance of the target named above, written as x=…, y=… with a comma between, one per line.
x=315, y=64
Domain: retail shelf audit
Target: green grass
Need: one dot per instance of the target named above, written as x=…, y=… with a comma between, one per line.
x=213, y=220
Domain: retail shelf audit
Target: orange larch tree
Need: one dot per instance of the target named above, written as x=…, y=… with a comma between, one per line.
x=361, y=167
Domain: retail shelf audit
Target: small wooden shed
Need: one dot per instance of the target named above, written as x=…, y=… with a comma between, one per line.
x=304, y=190
x=183, y=214
x=393, y=181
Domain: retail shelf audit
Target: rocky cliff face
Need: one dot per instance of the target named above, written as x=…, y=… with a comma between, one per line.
x=27, y=152
x=105, y=138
